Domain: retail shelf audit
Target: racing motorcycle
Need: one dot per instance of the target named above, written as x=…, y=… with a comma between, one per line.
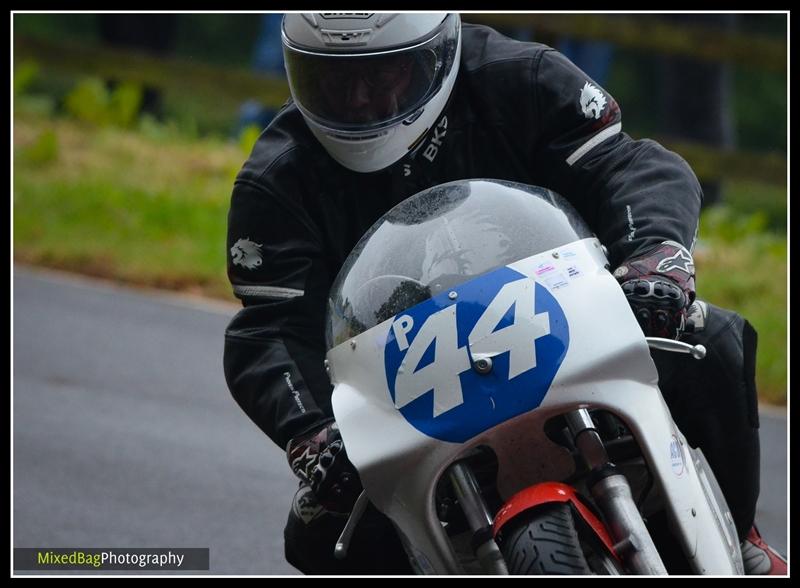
x=500, y=402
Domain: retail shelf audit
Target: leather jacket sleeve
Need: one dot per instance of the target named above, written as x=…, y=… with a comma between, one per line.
x=274, y=346
x=634, y=193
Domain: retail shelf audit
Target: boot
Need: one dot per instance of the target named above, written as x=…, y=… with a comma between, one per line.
x=759, y=558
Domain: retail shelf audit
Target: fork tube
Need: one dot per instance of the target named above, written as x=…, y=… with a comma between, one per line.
x=612, y=493
x=478, y=518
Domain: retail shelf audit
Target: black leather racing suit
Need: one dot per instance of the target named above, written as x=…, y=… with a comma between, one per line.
x=520, y=112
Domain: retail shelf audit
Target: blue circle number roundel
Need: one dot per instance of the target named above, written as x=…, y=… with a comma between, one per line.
x=502, y=318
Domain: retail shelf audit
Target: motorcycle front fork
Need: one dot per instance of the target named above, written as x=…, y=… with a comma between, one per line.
x=609, y=488
x=477, y=514
x=478, y=518
x=612, y=494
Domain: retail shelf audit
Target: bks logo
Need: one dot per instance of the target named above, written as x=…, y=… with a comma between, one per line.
x=471, y=358
x=432, y=149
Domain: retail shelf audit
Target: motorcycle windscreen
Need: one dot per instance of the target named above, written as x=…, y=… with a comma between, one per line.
x=440, y=238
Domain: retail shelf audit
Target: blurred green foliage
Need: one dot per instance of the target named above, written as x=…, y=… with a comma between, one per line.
x=730, y=226
x=63, y=25
x=167, y=131
x=124, y=103
x=38, y=104
x=146, y=208
x=743, y=266
x=248, y=138
x=91, y=101
x=200, y=36
x=43, y=150
x=759, y=98
x=770, y=201
x=214, y=38
x=24, y=76
x=759, y=109
x=758, y=102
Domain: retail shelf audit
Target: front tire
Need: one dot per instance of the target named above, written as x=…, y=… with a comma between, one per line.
x=545, y=541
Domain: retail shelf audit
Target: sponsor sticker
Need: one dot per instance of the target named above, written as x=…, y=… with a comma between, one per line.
x=676, y=457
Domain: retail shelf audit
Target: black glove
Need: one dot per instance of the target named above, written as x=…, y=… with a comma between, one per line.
x=660, y=288
x=319, y=459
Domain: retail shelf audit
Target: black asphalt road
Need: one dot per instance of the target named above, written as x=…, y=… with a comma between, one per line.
x=125, y=434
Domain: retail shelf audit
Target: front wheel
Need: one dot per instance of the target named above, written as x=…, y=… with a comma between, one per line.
x=546, y=541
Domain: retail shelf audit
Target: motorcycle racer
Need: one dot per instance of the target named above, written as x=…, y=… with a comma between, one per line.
x=384, y=106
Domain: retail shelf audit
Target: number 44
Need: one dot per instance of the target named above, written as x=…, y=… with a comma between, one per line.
x=440, y=330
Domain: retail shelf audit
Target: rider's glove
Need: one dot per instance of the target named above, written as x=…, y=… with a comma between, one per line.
x=319, y=459
x=659, y=286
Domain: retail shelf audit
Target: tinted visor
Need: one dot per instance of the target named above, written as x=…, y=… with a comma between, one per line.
x=370, y=91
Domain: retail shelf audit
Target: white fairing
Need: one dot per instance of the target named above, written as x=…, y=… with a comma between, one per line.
x=606, y=365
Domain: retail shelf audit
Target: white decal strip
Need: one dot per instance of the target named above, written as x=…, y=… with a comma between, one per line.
x=267, y=291
x=594, y=142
